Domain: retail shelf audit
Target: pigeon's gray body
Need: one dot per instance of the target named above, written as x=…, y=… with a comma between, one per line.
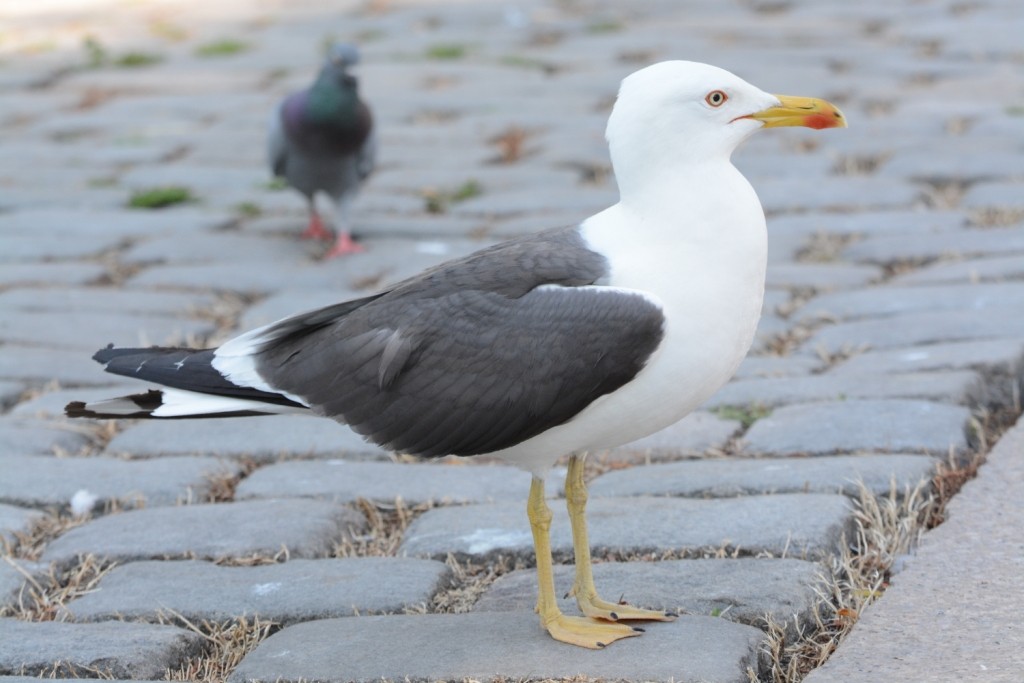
x=321, y=140
x=339, y=177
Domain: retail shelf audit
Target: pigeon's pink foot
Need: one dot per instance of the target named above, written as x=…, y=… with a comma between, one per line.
x=316, y=229
x=344, y=245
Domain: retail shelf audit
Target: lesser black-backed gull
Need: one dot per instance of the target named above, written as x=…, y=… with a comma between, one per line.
x=571, y=340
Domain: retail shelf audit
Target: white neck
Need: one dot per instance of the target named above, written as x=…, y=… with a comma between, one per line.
x=701, y=254
x=706, y=211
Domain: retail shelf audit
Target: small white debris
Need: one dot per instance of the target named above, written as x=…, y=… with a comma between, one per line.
x=486, y=540
x=266, y=588
x=915, y=355
x=83, y=502
x=432, y=248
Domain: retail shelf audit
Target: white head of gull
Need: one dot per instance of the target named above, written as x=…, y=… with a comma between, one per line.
x=566, y=341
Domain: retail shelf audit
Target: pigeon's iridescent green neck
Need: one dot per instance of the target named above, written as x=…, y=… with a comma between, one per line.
x=331, y=102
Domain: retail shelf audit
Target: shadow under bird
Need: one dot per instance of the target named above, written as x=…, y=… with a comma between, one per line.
x=566, y=341
x=322, y=140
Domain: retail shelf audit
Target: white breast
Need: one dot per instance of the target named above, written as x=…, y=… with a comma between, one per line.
x=705, y=267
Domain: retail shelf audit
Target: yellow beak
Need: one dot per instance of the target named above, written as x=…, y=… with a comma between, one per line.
x=801, y=111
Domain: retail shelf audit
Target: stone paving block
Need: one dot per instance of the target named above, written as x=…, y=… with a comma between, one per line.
x=341, y=481
x=104, y=300
x=483, y=646
x=964, y=243
x=913, y=329
x=380, y=265
x=36, y=195
x=416, y=226
x=820, y=276
x=117, y=649
x=231, y=277
x=921, y=630
x=286, y=593
x=40, y=481
x=860, y=425
x=40, y=367
x=306, y=528
x=834, y=194
x=949, y=386
x=16, y=519
x=799, y=525
x=14, y=575
x=774, y=300
x=694, y=434
x=50, y=404
x=291, y=301
x=95, y=330
x=524, y=224
x=760, y=167
x=25, y=248
x=1002, y=355
x=745, y=476
x=512, y=202
x=204, y=180
x=769, y=328
x=264, y=439
x=1002, y=194
x=71, y=222
x=868, y=222
x=777, y=366
x=935, y=165
x=20, y=274
x=10, y=392
x=876, y=302
x=489, y=178
x=785, y=248
x=241, y=246
x=743, y=590
x=985, y=269
x=388, y=260
x=27, y=435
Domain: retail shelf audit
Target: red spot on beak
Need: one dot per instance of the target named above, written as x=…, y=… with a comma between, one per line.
x=819, y=121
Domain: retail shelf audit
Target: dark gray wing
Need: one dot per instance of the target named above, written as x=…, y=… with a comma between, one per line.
x=366, y=158
x=474, y=356
x=277, y=145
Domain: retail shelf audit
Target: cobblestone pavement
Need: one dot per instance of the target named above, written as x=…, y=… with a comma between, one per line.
x=893, y=325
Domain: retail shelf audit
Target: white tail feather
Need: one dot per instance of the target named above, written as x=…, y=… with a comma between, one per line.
x=234, y=360
x=181, y=403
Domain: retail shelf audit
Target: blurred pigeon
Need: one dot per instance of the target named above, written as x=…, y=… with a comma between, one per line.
x=322, y=140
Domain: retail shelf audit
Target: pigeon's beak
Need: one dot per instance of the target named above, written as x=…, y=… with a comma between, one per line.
x=800, y=111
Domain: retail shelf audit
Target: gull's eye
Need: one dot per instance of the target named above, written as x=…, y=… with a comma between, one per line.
x=716, y=98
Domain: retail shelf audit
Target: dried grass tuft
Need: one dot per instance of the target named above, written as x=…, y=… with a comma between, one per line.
x=470, y=580
x=886, y=528
x=44, y=598
x=228, y=643
x=824, y=247
x=221, y=485
x=30, y=544
x=511, y=145
x=387, y=523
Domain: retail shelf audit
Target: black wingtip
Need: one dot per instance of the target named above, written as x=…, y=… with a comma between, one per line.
x=77, y=409
x=135, y=405
x=103, y=355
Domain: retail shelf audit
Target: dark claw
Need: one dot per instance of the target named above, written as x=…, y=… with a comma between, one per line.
x=614, y=616
x=601, y=645
x=641, y=630
x=670, y=613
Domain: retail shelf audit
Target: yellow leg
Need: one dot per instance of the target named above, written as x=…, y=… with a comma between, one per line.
x=583, y=587
x=573, y=630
